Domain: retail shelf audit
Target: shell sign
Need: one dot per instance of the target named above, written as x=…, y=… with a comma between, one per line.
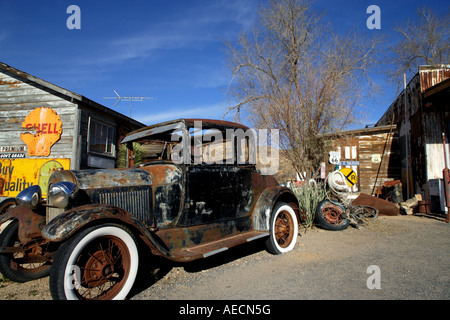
x=48, y=129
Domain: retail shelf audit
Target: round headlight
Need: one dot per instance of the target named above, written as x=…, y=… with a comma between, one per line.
x=61, y=194
x=30, y=197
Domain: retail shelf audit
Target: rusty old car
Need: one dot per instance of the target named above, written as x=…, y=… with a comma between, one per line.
x=184, y=193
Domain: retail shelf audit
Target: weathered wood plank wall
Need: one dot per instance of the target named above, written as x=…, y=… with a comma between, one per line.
x=18, y=97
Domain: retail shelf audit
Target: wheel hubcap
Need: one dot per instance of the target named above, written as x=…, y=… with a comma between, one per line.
x=332, y=214
x=284, y=229
x=104, y=266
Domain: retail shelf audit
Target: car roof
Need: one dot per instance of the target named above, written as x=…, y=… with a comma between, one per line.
x=178, y=124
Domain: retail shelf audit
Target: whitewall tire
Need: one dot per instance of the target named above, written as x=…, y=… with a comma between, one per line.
x=283, y=229
x=100, y=263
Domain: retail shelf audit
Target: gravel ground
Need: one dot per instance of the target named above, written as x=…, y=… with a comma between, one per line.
x=411, y=252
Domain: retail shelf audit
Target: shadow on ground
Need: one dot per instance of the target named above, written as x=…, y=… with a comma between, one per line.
x=152, y=268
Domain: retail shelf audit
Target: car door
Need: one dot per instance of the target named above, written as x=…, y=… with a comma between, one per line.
x=211, y=194
x=246, y=193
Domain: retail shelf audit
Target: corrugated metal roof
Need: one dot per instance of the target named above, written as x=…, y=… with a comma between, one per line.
x=433, y=75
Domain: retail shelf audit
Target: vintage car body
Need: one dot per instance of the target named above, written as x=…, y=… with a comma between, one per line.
x=182, y=210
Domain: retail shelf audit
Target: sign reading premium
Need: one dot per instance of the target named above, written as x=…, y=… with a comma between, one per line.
x=12, y=152
x=47, y=126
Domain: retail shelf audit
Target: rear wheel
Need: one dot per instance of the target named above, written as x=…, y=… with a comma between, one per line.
x=100, y=263
x=331, y=216
x=23, y=265
x=283, y=229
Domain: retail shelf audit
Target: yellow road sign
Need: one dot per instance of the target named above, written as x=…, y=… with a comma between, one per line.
x=350, y=176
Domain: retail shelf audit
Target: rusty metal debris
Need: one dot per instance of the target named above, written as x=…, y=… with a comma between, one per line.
x=384, y=207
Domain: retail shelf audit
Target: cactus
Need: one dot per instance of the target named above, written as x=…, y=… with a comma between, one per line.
x=308, y=197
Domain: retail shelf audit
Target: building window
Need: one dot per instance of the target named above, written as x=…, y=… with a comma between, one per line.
x=101, y=138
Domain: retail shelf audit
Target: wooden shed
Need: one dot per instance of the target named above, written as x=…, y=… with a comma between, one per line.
x=372, y=153
x=44, y=127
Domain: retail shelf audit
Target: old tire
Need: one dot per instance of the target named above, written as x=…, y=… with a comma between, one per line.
x=12, y=265
x=100, y=263
x=283, y=229
x=331, y=216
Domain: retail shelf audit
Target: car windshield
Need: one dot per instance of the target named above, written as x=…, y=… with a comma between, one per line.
x=204, y=145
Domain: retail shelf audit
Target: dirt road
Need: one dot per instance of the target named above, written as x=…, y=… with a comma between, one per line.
x=411, y=257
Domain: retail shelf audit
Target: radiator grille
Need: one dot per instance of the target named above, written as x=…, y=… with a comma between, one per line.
x=136, y=201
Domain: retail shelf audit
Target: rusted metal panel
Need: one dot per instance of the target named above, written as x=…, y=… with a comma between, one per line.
x=110, y=178
x=164, y=174
x=384, y=207
x=433, y=75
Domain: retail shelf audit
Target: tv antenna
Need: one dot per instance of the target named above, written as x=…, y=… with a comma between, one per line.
x=131, y=99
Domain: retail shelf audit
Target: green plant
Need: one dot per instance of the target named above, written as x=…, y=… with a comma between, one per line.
x=123, y=154
x=308, y=197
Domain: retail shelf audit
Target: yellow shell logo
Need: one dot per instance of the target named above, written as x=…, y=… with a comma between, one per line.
x=48, y=129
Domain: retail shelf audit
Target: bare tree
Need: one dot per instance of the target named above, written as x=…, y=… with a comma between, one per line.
x=293, y=73
x=425, y=40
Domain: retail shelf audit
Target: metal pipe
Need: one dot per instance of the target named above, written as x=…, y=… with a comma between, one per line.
x=406, y=145
x=446, y=177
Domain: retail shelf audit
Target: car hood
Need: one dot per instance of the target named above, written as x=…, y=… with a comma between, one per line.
x=102, y=178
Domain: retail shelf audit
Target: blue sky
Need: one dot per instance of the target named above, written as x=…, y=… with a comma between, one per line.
x=170, y=50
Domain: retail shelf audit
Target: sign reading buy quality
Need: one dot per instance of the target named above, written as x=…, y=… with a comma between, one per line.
x=48, y=129
x=17, y=173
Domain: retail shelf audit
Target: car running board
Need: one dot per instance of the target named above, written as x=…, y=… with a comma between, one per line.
x=212, y=248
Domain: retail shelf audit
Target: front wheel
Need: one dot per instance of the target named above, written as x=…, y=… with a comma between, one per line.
x=100, y=263
x=283, y=229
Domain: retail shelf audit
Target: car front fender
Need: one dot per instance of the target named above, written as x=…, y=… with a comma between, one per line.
x=266, y=202
x=30, y=223
x=66, y=224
